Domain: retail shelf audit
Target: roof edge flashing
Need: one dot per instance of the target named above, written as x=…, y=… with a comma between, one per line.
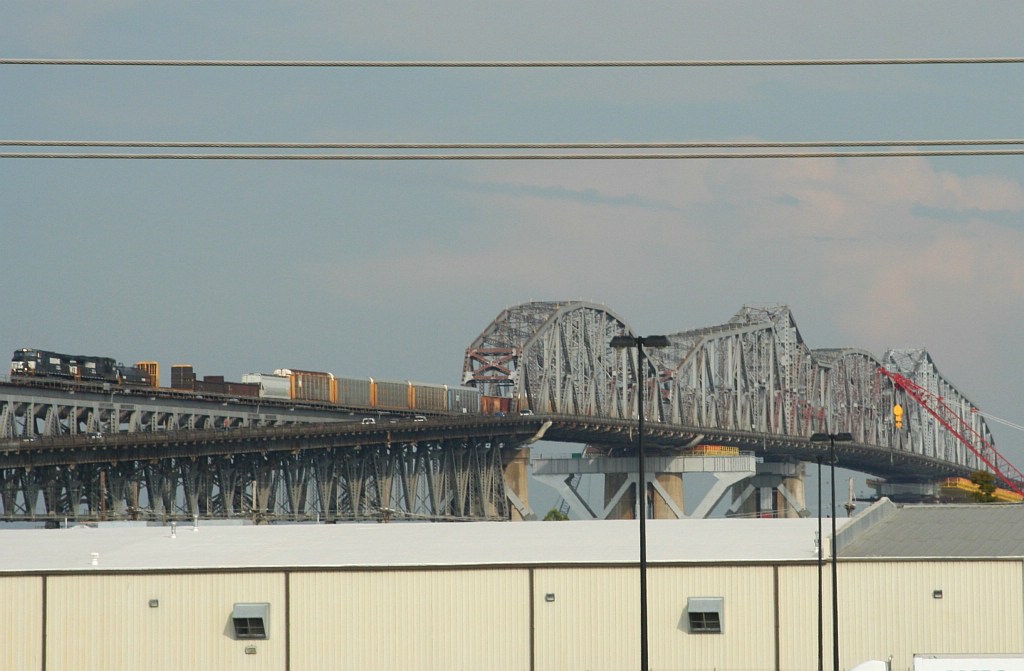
x=856, y=527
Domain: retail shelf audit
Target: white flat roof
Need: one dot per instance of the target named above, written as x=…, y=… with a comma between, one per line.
x=424, y=544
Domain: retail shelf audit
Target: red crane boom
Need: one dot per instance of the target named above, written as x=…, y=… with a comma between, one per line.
x=962, y=429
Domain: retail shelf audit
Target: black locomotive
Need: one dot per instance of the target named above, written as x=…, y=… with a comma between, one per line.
x=42, y=364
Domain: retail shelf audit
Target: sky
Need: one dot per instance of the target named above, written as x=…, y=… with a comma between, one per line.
x=391, y=269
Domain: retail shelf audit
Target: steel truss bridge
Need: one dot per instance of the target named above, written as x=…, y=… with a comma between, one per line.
x=751, y=385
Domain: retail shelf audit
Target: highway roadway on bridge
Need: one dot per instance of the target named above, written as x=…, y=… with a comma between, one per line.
x=512, y=431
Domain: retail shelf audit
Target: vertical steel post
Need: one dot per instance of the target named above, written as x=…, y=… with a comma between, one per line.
x=835, y=580
x=832, y=438
x=641, y=489
x=621, y=342
x=821, y=554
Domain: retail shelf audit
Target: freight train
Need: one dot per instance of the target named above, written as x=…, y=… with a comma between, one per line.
x=383, y=395
x=285, y=384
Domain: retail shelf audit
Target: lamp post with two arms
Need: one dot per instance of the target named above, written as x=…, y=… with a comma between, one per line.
x=831, y=439
x=639, y=342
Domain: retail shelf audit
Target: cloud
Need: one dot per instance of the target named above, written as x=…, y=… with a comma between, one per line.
x=856, y=219
x=589, y=195
x=672, y=246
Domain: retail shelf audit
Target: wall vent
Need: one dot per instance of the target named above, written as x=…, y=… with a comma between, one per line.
x=704, y=613
x=251, y=620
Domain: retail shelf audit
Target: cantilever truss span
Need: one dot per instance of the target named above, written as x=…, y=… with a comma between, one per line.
x=753, y=373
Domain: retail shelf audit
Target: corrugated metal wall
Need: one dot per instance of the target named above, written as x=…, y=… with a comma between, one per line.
x=798, y=617
x=602, y=607
x=747, y=640
x=596, y=605
x=21, y=617
x=891, y=608
x=105, y=622
x=453, y=618
x=387, y=620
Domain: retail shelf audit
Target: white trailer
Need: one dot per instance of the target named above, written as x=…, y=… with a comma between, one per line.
x=1013, y=661
x=998, y=662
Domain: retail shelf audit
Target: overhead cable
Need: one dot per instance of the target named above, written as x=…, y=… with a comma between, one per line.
x=509, y=64
x=511, y=157
x=509, y=145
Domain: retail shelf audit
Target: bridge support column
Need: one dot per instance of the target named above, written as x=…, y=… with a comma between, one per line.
x=516, y=472
x=664, y=488
x=794, y=505
x=667, y=487
x=624, y=502
x=776, y=490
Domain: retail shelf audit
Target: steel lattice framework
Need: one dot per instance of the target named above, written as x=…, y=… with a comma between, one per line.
x=753, y=373
x=553, y=358
x=326, y=472
x=928, y=435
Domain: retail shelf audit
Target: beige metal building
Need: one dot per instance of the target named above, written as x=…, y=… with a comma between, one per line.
x=725, y=594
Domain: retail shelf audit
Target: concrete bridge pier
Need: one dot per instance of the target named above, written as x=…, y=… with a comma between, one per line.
x=664, y=483
x=665, y=499
x=516, y=472
x=667, y=496
x=620, y=496
x=776, y=490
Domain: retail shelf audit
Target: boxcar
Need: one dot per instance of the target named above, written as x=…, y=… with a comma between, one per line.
x=464, y=400
x=495, y=405
x=355, y=392
x=242, y=389
x=394, y=395
x=310, y=385
x=429, y=397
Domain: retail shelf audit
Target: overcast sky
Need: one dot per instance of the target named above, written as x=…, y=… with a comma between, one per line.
x=391, y=269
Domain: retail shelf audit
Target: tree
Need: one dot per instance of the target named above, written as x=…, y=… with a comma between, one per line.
x=555, y=515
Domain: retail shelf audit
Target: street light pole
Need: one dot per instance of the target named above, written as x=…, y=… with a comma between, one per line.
x=821, y=555
x=835, y=576
x=832, y=438
x=621, y=342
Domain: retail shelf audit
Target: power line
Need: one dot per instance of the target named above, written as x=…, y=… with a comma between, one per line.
x=508, y=145
x=510, y=157
x=510, y=64
x=504, y=146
